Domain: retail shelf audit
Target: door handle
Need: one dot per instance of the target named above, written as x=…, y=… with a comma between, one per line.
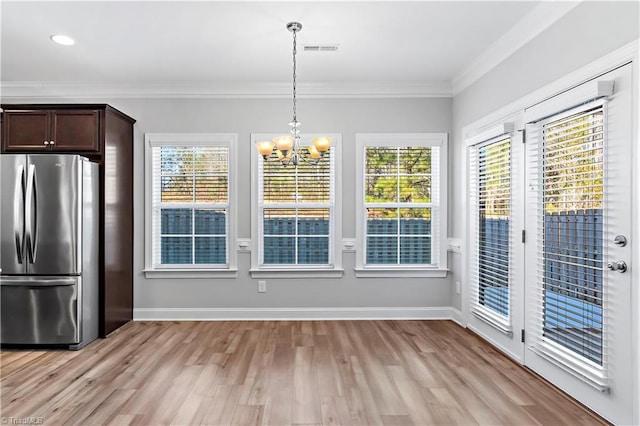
x=18, y=212
x=619, y=266
x=620, y=240
x=31, y=213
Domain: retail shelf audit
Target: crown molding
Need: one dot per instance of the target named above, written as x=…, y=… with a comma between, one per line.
x=531, y=25
x=377, y=89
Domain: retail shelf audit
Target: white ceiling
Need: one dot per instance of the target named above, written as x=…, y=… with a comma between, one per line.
x=234, y=44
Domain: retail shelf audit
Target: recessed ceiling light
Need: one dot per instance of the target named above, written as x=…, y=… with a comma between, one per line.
x=62, y=39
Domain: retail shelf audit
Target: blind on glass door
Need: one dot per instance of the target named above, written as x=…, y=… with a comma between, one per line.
x=190, y=205
x=296, y=207
x=570, y=231
x=490, y=187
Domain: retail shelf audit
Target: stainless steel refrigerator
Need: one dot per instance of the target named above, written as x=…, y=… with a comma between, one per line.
x=49, y=238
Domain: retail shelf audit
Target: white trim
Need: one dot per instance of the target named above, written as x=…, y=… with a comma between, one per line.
x=224, y=90
x=302, y=272
x=402, y=139
x=541, y=17
x=152, y=140
x=454, y=245
x=635, y=248
x=400, y=272
x=190, y=273
x=457, y=317
x=284, y=314
x=495, y=343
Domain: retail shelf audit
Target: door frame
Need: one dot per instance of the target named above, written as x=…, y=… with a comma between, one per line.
x=625, y=54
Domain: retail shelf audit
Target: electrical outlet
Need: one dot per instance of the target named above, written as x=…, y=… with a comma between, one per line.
x=457, y=287
x=262, y=286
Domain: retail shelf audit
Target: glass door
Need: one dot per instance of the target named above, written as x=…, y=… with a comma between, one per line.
x=496, y=284
x=578, y=214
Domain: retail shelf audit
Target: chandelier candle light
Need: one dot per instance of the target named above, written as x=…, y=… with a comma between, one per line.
x=287, y=149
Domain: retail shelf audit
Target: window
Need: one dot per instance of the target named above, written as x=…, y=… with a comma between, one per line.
x=492, y=231
x=571, y=264
x=297, y=213
x=189, y=195
x=401, y=195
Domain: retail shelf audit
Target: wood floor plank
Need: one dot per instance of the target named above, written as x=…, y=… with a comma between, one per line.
x=410, y=392
x=306, y=397
x=282, y=373
x=397, y=421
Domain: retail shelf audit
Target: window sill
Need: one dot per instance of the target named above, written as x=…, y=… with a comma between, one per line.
x=297, y=273
x=400, y=272
x=191, y=273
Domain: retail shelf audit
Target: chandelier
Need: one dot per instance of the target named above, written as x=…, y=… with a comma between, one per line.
x=287, y=149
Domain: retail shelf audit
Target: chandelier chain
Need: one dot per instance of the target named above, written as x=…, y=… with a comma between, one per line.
x=295, y=119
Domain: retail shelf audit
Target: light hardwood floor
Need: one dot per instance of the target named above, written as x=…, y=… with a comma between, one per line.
x=282, y=373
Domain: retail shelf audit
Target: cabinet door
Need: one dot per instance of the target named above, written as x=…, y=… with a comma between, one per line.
x=75, y=130
x=25, y=130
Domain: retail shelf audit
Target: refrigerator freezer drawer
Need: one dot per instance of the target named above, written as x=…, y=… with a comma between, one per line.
x=39, y=311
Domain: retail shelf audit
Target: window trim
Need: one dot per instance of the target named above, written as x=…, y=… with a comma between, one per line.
x=335, y=240
x=401, y=139
x=153, y=140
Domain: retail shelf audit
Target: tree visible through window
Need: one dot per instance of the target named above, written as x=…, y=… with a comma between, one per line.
x=573, y=178
x=190, y=204
x=399, y=204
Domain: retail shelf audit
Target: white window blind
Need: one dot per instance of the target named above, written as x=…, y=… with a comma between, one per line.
x=401, y=203
x=490, y=196
x=190, y=205
x=296, y=207
x=569, y=172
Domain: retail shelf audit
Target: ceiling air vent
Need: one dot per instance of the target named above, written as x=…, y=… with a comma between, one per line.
x=320, y=47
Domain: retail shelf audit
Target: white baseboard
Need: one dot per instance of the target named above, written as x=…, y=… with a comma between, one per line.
x=496, y=344
x=252, y=314
x=456, y=316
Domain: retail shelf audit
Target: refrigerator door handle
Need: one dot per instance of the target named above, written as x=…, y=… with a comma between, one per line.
x=18, y=212
x=31, y=213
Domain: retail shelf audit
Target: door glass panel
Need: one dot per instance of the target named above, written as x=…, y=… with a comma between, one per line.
x=494, y=207
x=573, y=233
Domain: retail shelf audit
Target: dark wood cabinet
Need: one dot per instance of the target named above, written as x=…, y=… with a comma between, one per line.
x=104, y=135
x=60, y=130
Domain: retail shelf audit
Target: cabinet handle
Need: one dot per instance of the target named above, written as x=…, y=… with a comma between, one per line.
x=46, y=143
x=51, y=142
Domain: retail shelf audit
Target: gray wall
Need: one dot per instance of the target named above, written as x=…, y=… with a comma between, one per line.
x=589, y=31
x=246, y=116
